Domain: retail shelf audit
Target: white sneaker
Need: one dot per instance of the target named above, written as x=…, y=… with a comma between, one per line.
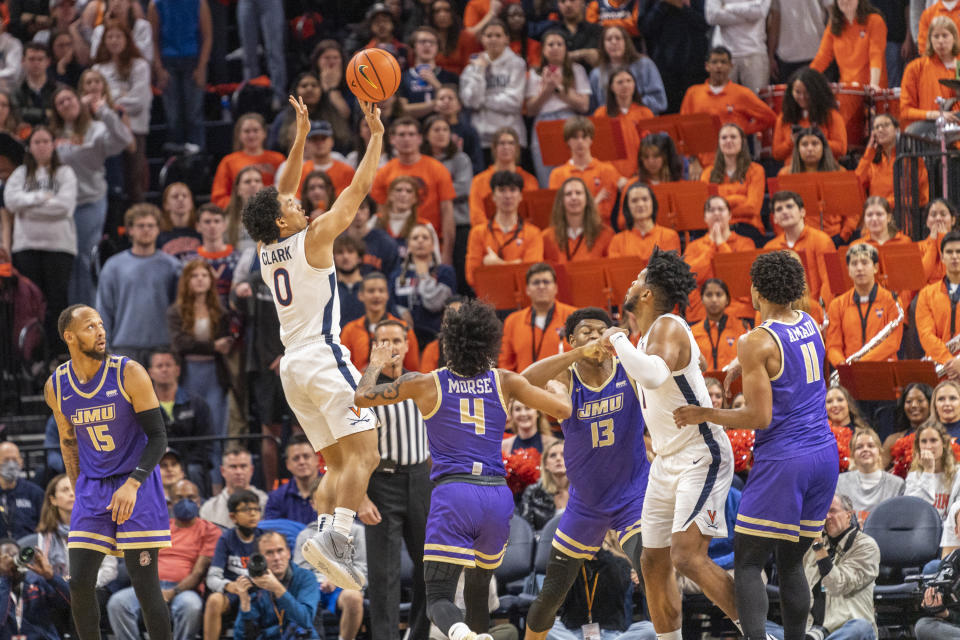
x=332, y=553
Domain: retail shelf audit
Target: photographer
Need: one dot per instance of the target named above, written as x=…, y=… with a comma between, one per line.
x=286, y=600
x=941, y=622
x=29, y=591
x=841, y=568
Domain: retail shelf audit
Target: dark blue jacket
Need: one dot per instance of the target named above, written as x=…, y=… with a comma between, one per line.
x=20, y=509
x=39, y=597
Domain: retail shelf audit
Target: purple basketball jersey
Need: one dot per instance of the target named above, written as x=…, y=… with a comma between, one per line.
x=465, y=429
x=109, y=439
x=799, y=423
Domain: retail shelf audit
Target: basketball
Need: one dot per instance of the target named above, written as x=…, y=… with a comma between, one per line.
x=373, y=75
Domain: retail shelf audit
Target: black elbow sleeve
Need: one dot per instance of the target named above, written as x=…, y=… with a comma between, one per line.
x=151, y=421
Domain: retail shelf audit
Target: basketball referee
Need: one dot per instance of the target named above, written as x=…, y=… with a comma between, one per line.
x=399, y=491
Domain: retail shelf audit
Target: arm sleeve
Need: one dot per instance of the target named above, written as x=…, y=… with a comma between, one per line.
x=473, y=86
x=922, y=485
x=510, y=99
x=650, y=371
x=151, y=421
x=833, y=338
x=782, y=142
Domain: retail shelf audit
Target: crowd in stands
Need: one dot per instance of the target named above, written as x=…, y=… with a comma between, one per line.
x=472, y=177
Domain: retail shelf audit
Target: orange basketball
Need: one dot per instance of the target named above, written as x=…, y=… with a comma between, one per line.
x=373, y=75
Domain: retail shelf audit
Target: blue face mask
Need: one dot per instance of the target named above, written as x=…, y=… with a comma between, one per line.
x=186, y=510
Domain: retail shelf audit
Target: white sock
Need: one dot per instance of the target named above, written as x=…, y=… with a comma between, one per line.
x=459, y=631
x=343, y=520
x=670, y=635
x=324, y=520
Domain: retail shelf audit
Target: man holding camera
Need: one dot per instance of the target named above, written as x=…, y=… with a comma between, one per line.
x=285, y=601
x=28, y=583
x=941, y=623
x=841, y=567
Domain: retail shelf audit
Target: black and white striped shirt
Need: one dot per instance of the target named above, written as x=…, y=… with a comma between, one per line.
x=403, y=436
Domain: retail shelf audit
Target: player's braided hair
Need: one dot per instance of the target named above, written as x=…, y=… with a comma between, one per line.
x=260, y=214
x=670, y=279
x=778, y=277
x=471, y=338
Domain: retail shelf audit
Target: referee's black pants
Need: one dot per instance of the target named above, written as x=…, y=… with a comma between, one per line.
x=403, y=499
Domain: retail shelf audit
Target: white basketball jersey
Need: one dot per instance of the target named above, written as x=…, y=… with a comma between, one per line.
x=306, y=297
x=684, y=387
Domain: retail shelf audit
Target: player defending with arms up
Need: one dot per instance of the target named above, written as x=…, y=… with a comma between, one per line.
x=795, y=460
x=464, y=406
x=605, y=456
x=296, y=260
x=691, y=475
x=111, y=437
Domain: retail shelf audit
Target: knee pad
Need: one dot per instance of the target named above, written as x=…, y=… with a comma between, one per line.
x=561, y=573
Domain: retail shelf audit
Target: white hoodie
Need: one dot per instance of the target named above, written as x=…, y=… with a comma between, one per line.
x=495, y=94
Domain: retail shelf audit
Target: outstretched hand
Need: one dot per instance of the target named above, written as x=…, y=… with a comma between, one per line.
x=372, y=114
x=303, y=115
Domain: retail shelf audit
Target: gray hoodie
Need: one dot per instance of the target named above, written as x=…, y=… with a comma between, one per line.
x=43, y=209
x=106, y=136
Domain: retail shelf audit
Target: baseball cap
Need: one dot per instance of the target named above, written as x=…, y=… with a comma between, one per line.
x=320, y=128
x=377, y=9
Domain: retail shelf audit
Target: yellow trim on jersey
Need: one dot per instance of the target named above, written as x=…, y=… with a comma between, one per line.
x=779, y=346
x=579, y=545
x=56, y=387
x=809, y=534
x=142, y=534
x=123, y=391
x=496, y=377
x=93, y=547
x=627, y=535
x=491, y=557
x=489, y=565
x=92, y=536
x=605, y=382
x=449, y=560
x=436, y=381
x=571, y=554
x=812, y=523
x=163, y=544
x=446, y=547
x=103, y=378
x=767, y=523
x=766, y=534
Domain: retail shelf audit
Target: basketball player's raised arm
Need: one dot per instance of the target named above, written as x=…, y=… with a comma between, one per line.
x=555, y=367
x=654, y=366
x=68, y=435
x=419, y=387
x=554, y=400
x=289, y=180
x=755, y=351
x=344, y=209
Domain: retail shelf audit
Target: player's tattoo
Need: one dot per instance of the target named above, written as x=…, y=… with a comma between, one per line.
x=387, y=391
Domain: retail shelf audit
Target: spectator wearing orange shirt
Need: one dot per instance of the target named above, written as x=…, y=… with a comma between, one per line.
x=856, y=39
x=575, y=231
x=536, y=331
x=859, y=314
x=601, y=178
x=642, y=233
x=937, y=309
x=456, y=44
x=435, y=192
x=249, y=134
x=615, y=13
x=522, y=43
x=478, y=13
x=658, y=160
x=879, y=226
x=742, y=182
x=875, y=169
x=789, y=214
x=941, y=219
x=506, y=152
x=809, y=101
x=729, y=101
x=933, y=11
x=357, y=335
x=701, y=252
x=506, y=238
x=318, y=156
x=625, y=104
x=718, y=333
x=920, y=86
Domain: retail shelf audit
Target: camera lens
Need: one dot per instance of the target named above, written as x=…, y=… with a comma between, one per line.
x=25, y=556
x=257, y=565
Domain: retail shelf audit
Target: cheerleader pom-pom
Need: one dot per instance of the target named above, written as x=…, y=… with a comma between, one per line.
x=523, y=469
